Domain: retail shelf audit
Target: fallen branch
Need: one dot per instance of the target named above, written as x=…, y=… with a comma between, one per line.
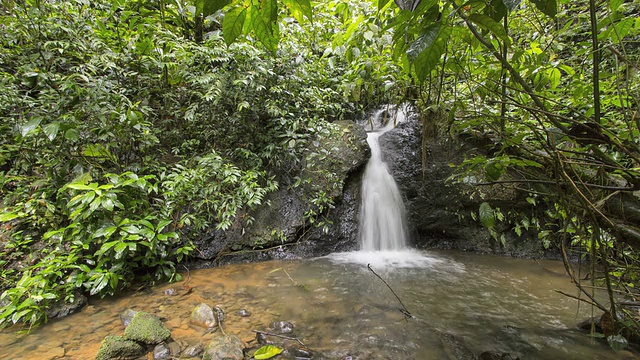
x=404, y=309
x=280, y=336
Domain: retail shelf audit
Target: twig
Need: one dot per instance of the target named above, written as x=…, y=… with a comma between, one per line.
x=280, y=336
x=581, y=299
x=404, y=309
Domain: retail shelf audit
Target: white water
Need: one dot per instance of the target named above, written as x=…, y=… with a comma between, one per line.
x=382, y=223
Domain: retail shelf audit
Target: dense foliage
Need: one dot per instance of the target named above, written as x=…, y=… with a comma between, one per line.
x=127, y=128
x=554, y=87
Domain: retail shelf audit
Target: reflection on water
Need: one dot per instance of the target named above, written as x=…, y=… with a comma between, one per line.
x=339, y=307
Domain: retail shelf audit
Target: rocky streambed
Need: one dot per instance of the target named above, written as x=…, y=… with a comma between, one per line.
x=461, y=305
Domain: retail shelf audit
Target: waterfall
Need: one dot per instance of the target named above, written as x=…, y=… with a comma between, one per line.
x=382, y=213
x=382, y=228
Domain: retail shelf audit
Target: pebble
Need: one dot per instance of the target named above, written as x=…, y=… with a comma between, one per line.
x=243, y=313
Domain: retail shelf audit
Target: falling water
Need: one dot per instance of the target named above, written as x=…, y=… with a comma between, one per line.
x=382, y=224
x=382, y=213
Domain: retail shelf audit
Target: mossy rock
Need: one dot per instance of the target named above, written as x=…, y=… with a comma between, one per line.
x=147, y=329
x=117, y=347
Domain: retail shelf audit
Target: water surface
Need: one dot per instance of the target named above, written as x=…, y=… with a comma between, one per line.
x=339, y=307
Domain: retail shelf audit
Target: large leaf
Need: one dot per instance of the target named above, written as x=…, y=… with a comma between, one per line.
x=264, y=24
x=211, y=6
x=425, y=52
x=267, y=352
x=614, y=5
x=8, y=216
x=382, y=4
x=548, y=7
x=233, y=24
x=51, y=130
x=30, y=126
x=487, y=216
x=300, y=9
x=490, y=24
x=495, y=9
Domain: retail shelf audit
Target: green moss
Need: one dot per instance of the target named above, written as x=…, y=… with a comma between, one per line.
x=117, y=347
x=146, y=328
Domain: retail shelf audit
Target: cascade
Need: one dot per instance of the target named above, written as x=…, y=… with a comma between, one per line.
x=382, y=224
x=382, y=231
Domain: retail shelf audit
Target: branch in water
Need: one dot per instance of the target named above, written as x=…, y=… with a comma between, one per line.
x=280, y=336
x=404, y=309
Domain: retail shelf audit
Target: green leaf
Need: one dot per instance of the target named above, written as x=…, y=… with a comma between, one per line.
x=264, y=24
x=382, y=4
x=105, y=231
x=487, y=216
x=491, y=25
x=494, y=170
x=233, y=23
x=51, y=130
x=267, y=352
x=614, y=5
x=617, y=342
x=71, y=134
x=97, y=150
x=8, y=216
x=300, y=9
x=495, y=9
x=548, y=7
x=27, y=128
x=425, y=52
x=211, y=6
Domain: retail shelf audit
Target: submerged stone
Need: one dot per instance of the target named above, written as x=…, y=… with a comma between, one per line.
x=224, y=348
x=203, y=316
x=282, y=327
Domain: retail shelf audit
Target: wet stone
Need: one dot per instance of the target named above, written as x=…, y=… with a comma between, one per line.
x=166, y=351
x=282, y=327
x=243, y=313
x=127, y=316
x=193, y=351
x=170, y=292
x=203, y=316
x=224, y=347
x=161, y=352
x=262, y=339
x=300, y=352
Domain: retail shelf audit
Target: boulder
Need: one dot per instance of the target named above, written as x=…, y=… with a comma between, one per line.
x=147, y=329
x=224, y=348
x=117, y=347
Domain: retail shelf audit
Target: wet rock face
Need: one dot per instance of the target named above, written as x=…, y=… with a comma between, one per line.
x=281, y=225
x=439, y=212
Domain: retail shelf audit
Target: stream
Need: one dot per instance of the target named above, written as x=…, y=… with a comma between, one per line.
x=460, y=302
